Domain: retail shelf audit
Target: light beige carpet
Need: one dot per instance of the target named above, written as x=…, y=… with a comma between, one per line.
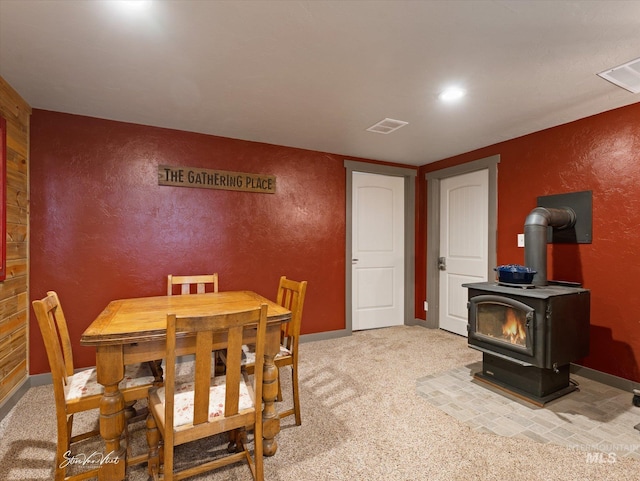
x=362, y=419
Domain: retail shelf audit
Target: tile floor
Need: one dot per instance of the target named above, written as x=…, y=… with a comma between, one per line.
x=596, y=418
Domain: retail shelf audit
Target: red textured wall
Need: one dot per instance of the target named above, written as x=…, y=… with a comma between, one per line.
x=102, y=228
x=601, y=154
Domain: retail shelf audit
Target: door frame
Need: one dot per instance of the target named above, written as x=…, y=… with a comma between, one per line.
x=433, y=226
x=409, y=233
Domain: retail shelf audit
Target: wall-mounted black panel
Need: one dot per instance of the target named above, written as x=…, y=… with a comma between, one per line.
x=581, y=203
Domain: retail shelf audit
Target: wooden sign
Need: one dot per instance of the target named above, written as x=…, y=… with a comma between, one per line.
x=216, y=179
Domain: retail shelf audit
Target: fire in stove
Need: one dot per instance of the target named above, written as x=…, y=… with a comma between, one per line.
x=503, y=323
x=513, y=329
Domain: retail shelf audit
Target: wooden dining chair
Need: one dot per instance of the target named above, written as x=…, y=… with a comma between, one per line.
x=75, y=392
x=198, y=284
x=291, y=295
x=192, y=284
x=197, y=404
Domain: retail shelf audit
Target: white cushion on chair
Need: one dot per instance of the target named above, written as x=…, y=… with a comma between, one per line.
x=249, y=354
x=183, y=400
x=85, y=383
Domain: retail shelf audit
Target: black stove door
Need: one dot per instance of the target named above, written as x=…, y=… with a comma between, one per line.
x=501, y=322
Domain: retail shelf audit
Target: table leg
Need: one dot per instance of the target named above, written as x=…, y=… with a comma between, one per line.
x=270, y=418
x=110, y=370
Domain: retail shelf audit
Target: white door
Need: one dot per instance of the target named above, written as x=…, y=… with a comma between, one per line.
x=464, y=228
x=378, y=251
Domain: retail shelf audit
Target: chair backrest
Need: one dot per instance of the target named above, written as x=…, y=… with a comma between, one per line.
x=201, y=284
x=55, y=334
x=207, y=331
x=291, y=296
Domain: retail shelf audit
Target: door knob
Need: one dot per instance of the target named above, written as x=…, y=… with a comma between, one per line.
x=442, y=263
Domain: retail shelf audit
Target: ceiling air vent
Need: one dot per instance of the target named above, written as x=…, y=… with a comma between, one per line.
x=626, y=76
x=387, y=126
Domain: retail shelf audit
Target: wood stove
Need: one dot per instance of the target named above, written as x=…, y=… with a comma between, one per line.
x=529, y=336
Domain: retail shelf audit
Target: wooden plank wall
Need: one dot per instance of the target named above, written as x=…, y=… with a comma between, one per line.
x=14, y=296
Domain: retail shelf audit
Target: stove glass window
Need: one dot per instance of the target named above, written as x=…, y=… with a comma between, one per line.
x=502, y=323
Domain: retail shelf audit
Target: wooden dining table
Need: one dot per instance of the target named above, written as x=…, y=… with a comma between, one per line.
x=133, y=330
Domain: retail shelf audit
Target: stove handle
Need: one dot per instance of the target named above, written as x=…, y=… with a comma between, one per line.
x=529, y=316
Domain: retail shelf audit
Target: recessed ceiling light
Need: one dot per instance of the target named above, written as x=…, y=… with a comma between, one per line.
x=452, y=94
x=135, y=4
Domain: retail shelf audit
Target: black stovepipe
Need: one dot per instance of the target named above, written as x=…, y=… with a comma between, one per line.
x=535, y=237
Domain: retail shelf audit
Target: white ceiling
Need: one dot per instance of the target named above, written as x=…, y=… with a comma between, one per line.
x=317, y=74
